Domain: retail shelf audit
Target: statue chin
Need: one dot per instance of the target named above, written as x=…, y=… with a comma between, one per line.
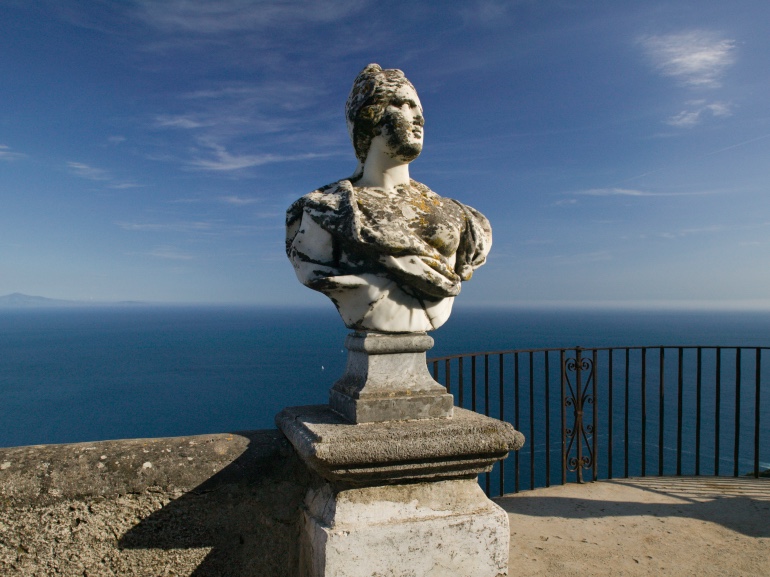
x=379, y=304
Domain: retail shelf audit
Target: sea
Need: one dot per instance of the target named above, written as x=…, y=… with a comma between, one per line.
x=85, y=374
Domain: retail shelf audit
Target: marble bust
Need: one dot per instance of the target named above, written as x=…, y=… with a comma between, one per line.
x=388, y=251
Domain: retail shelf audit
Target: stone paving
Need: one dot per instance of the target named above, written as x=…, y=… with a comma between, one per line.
x=648, y=526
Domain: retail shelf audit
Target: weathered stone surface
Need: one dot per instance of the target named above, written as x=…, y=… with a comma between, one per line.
x=438, y=529
x=210, y=505
x=214, y=505
x=387, y=379
x=396, y=451
x=388, y=251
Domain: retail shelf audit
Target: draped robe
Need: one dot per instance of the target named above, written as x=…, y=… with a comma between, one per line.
x=391, y=261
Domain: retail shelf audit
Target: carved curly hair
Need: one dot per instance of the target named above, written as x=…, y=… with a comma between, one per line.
x=372, y=91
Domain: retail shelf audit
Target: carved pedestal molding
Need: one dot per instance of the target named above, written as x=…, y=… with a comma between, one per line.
x=400, y=497
x=387, y=379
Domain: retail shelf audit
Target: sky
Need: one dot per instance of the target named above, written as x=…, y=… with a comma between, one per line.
x=621, y=150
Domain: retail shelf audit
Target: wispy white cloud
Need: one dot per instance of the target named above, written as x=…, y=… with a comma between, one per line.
x=584, y=257
x=88, y=172
x=124, y=185
x=221, y=160
x=696, y=58
x=167, y=227
x=538, y=242
x=239, y=200
x=283, y=94
x=9, y=155
x=745, y=142
x=221, y=119
x=170, y=253
x=615, y=192
x=636, y=193
x=99, y=175
x=216, y=17
x=700, y=109
x=717, y=228
x=201, y=229
x=184, y=122
x=486, y=11
x=236, y=109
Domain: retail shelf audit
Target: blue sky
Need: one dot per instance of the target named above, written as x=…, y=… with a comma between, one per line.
x=149, y=150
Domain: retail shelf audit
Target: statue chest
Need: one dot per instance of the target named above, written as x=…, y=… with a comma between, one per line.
x=435, y=221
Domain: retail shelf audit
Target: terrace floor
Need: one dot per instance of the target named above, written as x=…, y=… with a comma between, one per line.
x=644, y=526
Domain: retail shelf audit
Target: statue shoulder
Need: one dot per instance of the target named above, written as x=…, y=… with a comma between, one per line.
x=323, y=200
x=422, y=188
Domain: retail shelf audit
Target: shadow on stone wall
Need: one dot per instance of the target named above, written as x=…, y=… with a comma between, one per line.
x=246, y=514
x=206, y=505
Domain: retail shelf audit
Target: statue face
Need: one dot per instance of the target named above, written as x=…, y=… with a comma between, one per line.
x=402, y=124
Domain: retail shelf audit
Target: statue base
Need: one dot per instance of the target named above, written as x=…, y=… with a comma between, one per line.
x=387, y=379
x=447, y=529
x=400, y=498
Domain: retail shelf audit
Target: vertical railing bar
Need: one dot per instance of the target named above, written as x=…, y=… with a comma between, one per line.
x=737, y=439
x=698, y=405
x=679, y=410
x=502, y=418
x=516, y=479
x=486, y=385
x=563, y=373
x=626, y=410
x=473, y=383
x=448, y=375
x=595, y=396
x=717, y=408
x=644, y=411
x=661, y=416
x=757, y=378
x=547, y=420
x=460, y=382
x=578, y=428
x=435, y=370
x=487, y=480
x=531, y=420
x=610, y=411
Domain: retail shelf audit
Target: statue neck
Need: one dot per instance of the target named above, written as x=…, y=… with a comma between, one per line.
x=383, y=171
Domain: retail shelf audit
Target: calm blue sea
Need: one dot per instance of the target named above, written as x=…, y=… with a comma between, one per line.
x=70, y=375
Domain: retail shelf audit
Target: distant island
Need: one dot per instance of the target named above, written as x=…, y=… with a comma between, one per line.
x=22, y=301
x=18, y=300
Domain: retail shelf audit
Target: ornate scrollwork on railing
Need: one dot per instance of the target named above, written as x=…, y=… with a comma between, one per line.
x=578, y=375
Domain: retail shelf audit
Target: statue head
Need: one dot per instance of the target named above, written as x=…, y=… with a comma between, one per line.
x=373, y=90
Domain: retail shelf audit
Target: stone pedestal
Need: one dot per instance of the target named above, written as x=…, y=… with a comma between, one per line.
x=400, y=498
x=387, y=379
x=441, y=529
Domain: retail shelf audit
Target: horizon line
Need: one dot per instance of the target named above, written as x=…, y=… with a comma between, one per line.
x=684, y=305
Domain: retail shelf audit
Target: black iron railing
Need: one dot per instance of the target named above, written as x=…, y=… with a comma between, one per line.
x=600, y=413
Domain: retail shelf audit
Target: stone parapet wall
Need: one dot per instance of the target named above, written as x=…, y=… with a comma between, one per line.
x=206, y=505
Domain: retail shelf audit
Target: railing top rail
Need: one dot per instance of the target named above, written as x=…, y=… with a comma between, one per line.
x=558, y=349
